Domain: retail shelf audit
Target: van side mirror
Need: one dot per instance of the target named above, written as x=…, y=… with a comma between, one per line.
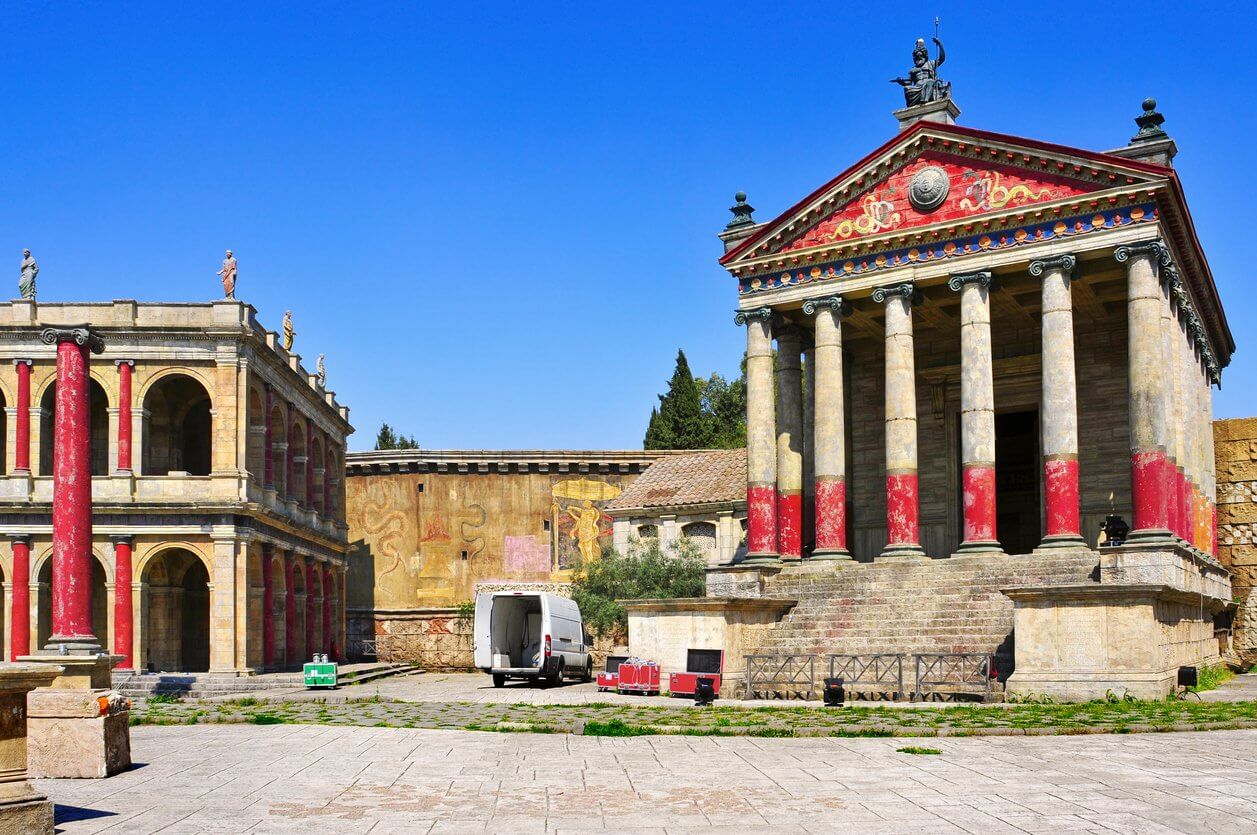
x=589, y=642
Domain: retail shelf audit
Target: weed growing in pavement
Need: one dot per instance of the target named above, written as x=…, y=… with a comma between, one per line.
x=917, y=749
x=1210, y=676
x=165, y=698
x=617, y=727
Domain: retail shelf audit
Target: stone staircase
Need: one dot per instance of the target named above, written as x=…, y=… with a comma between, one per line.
x=212, y=686
x=939, y=606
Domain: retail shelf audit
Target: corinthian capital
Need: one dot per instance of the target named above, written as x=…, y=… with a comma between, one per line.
x=78, y=334
x=1154, y=248
x=1064, y=262
x=741, y=317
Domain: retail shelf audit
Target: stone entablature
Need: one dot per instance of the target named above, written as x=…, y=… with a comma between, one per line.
x=631, y=461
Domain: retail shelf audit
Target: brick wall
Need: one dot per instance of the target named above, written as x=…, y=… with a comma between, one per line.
x=1235, y=455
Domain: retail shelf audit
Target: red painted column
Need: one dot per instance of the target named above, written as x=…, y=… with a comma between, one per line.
x=977, y=412
x=789, y=444
x=123, y=615
x=903, y=529
x=72, y=490
x=829, y=470
x=290, y=611
x=309, y=466
x=268, y=480
x=268, y=607
x=327, y=607
x=125, y=368
x=20, y=640
x=22, y=455
x=309, y=607
x=761, y=438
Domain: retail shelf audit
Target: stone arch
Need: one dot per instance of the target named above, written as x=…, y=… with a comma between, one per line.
x=299, y=592
x=648, y=531
x=179, y=426
x=703, y=536
x=297, y=451
x=279, y=446
x=175, y=630
x=42, y=571
x=255, y=449
x=98, y=427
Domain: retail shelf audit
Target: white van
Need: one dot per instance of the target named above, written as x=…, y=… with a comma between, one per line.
x=530, y=635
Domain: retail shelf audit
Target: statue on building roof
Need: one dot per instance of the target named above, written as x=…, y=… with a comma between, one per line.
x=228, y=272
x=923, y=86
x=30, y=269
x=289, y=333
x=320, y=373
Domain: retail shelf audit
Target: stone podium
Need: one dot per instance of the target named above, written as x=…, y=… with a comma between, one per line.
x=22, y=809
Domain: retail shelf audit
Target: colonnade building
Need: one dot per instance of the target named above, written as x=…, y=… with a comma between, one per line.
x=218, y=497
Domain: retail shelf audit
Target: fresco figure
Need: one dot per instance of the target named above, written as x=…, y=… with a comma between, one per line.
x=30, y=269
x=586, y=530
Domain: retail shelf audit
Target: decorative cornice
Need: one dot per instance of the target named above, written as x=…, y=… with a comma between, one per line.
x=905, y=290
x=1066, y=262
x=741, y=317
x=1155, y=248
x=78, y=334
x=834, y=303
x=982, y=278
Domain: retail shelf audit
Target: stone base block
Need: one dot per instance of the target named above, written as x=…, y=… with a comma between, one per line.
x=68, y=737
x=79, y=671
x=29, y=817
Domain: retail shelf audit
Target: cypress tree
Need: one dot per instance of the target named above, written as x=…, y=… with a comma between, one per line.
x=680, y=422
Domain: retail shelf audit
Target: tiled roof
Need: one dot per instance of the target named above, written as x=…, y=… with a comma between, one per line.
x=705, y=477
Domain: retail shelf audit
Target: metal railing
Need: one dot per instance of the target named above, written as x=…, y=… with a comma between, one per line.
x=367, y=648
x=781, y=676
x=874, y=673
x=956, y=670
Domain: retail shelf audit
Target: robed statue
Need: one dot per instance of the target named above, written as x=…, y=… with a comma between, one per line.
x=320, y=373
x=923, y=85
x=228, y=272
x=30, y=269
x=289, y=333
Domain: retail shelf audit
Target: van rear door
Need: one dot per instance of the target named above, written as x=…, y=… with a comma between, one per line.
x=482, y=636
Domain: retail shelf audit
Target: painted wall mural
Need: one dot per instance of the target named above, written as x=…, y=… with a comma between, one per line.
x=427, y=540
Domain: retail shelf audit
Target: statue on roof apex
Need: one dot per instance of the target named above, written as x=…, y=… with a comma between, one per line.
x=923, y=86
x=30, y=269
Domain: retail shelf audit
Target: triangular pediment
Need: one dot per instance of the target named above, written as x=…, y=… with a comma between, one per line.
x=935, y=176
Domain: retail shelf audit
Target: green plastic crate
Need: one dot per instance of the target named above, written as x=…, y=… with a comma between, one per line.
x=319, y=674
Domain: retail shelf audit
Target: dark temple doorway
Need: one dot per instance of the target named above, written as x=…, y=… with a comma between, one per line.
x=1017, y=481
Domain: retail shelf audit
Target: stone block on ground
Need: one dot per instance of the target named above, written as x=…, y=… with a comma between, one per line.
x=70, y=733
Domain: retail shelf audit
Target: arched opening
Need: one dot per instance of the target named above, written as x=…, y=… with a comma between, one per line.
x=176, y=615
x=100, y=604
x=255, y=453
x=702, y=535
x=297, y=449
x=299, y=597
x=4, y=436
x=320, y=473
x=178, y=438
x=279, y=451
x=98, y=428
x=277, y=609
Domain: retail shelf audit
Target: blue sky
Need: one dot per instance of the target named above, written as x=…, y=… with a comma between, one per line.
x=498, y=221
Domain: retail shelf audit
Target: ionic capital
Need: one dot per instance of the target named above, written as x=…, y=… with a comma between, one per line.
x=741, y=317
x=78, y=334
x=982, y=278
x=27, y=363
x=20, y=538
x=1155, y=249
x=120, y=363
x=122, y=539
x=907, y=290
x=1065, y=262
x=834, y=303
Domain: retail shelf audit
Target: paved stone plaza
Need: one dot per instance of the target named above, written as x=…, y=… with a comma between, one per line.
x=304, y=778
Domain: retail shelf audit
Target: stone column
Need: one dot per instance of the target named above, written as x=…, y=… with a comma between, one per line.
x=1058, y=414
x=22, y=809
x=903, y=530
x=22, y=454
x=290, y=610
x=1148, y=419
x=310, y=599
x=72, y=491
x=125, y=367
x=326, y=579
x=268, y=481
x=290, y=460
x=829, y=442
x=309, y=496
x=977, y=413
x=1210, y=485
x=327, y=477
x=761, y=435
x=268, y=608
x=809, y=448
x=1173, y=415
x=789, y=444
x=123, y=616
x=20, y=630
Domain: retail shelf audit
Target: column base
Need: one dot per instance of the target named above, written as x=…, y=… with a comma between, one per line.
x=31, y=813
x=1151, y=536
x=989, y=547
x=1063, y=541
x=74, y=645
x=761, y=559
x=902, y=550
x=831, y=555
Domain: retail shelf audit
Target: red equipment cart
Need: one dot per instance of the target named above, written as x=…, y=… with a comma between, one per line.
x=610, y=679
x=699, y=663
x=639, y=676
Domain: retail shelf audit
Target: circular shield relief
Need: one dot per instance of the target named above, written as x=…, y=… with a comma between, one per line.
x=928, y=189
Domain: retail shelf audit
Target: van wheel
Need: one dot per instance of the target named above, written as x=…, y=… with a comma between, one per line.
x=588, y=675
x=556, y=679
x=499, y=680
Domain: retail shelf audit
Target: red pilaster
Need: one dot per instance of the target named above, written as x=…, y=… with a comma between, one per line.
x=327, y=607
x=72, y=490
x=1148, y=480
x=290, y=611
x=979, y=503
x=123, y=616
x=902, y=503
x=124, y=414
x=22, y=455
x=268, y=466
x=268, y=608
x=761, y=519
x=309, y=607
x=1060, y=477
x=20, y=640
x=831, y=514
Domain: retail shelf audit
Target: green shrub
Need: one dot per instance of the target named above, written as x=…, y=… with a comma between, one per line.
x=617, y=727
x=165, y=698
x=645, y=571
x=266, y=719
x=1210, y=676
